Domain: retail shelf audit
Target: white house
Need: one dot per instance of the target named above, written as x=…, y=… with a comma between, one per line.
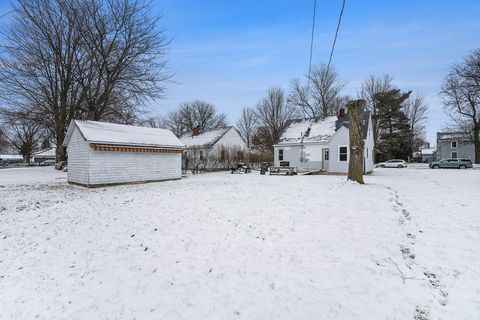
x=48, y=154
x=208, y=147
x=323, y=144
x=106, y=153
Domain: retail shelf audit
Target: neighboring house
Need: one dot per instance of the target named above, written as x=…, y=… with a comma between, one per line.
x=105, y=153
x=428, y=154
x=48, y=154
x=454, y=145
x=12, y=158
x=212, y=149
x=323, y=144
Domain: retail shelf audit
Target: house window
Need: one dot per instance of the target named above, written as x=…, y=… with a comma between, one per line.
x=326, y=155
x=367, y=153
x=454, y=144
x=280, y=154
x=454, y=154
x=342, y=154
x=201, y=154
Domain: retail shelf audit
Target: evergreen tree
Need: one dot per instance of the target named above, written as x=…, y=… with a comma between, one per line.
x=393, y=125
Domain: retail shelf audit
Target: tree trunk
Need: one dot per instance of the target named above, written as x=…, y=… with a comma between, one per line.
x=476, y=142
x=355, y=125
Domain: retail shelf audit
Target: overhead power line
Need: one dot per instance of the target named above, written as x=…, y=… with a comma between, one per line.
x=336, y=35
x=311, y=41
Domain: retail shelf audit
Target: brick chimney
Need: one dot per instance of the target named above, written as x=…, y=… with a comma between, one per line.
x=195, y=131
x=341, y=113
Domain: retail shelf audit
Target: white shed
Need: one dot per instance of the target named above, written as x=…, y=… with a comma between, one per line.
x=102, y=153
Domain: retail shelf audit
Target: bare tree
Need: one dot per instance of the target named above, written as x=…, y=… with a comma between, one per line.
x=4, y=143
x=274, y=114
x=38, y=64
x=200, y=114
x=247, y=125
x=461, y=97
x=82, y=59
x=122, y=57
x=320, y=96
x=23, y=132
x=416, y=110
x=172, y=121
x=371, y=87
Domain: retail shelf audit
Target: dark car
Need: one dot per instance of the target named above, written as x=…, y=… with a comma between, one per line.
x=451, y=164
x=49, y=162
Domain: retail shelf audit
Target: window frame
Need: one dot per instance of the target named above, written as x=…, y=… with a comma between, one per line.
x=456, y=144
x=326, y=155
x=456, y=155
x=281, y=152
x=340, y=154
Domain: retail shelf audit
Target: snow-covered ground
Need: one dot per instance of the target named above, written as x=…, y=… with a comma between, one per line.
x=222, y=246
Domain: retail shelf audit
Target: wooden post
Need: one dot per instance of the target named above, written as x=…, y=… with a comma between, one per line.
x=357, y=144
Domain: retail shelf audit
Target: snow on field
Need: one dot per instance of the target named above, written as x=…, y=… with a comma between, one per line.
x=222, y=246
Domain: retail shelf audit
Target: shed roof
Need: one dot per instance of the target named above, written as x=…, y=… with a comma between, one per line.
x=121, y=134
x=206, y=138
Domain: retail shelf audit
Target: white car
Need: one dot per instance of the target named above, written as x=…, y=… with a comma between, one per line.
x=394, y=163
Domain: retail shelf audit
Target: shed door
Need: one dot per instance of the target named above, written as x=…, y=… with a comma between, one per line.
x=325, y=158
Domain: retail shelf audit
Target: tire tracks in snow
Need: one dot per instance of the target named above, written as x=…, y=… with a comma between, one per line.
x=435, y=283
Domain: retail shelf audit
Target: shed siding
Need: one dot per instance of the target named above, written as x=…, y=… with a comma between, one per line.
x=78, y=158
x=108, y=167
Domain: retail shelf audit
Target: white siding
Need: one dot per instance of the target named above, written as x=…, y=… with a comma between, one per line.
x=312, y=155
x=369, y=146
x=340, y=138
x=231, y=139
x=78, y=158
x=107, y=167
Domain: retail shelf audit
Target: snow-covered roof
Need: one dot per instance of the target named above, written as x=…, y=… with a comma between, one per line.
x=206, y=138
x=320, y=130
x=11, y=156
x=45, y=153
x=426, y=151
x=121, y=134
x=452, y=135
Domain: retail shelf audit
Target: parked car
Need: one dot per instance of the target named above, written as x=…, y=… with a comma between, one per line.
x=47, y=163
x=394, y=163
x=451, y=164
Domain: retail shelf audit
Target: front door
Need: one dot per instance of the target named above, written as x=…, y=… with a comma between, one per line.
x=325, y=159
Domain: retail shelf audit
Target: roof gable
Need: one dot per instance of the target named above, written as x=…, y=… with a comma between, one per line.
x=319, y=130
x=204, y=139
x=121, y=134
x=309, y=130
x=452, y=136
